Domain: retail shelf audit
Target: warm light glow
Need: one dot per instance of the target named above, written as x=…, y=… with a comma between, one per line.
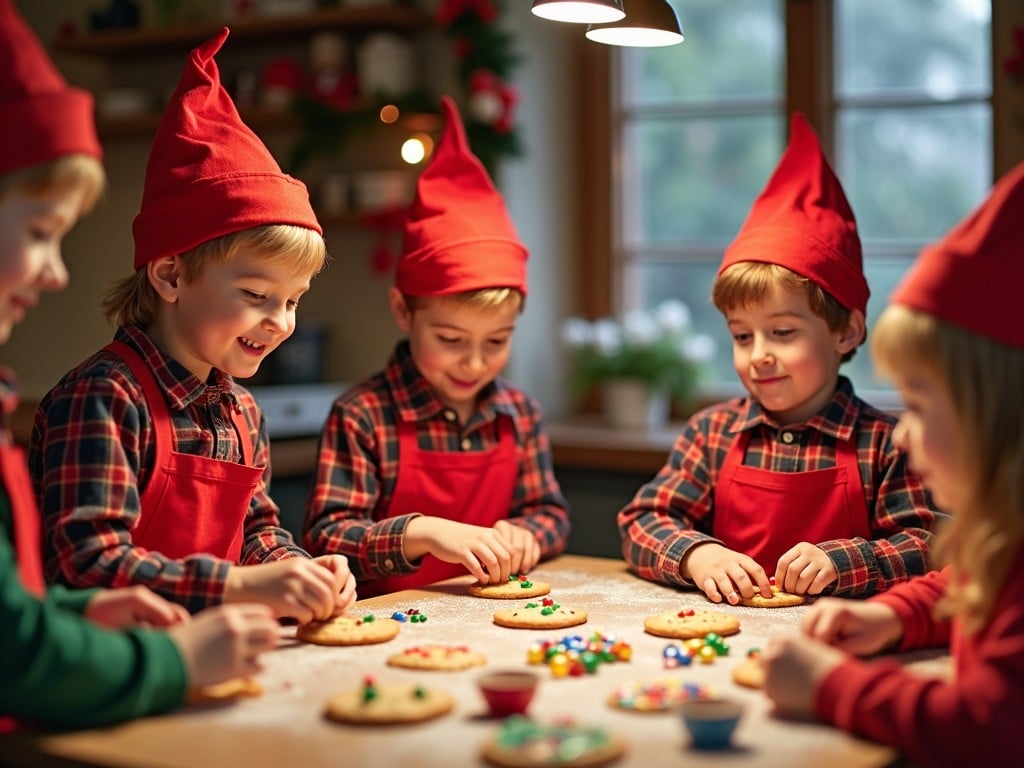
x=388, y=113
x=578, y=11
x=648, y=24
x=416, y=148
x=637, y=37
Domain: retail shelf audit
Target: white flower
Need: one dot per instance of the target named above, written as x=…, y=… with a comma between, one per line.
x=639, y=328
x=673, y=315
x=577, y=332
x=607, y=336
x=699, y=348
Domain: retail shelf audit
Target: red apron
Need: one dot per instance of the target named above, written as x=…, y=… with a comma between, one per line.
x=474, y=488
x=763, y=513
x=191, y=504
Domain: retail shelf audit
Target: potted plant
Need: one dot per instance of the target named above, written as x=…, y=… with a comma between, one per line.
x=641, y=360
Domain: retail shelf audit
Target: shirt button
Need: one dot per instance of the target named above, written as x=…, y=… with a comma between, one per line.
x=466, y=444
x=787, y=437
x=389, y=564
x=449, y=415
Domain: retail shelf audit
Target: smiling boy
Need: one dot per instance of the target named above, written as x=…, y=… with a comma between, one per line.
x=150, y=463
x=801, y=479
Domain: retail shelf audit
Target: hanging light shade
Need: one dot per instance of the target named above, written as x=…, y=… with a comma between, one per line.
x=647, y=24
x=579, y=11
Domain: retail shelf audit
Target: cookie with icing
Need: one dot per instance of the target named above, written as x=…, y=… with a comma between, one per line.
x=543, y=614
x=688, y=623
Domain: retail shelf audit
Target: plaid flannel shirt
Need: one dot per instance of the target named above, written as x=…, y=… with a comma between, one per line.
x=92, y=453
x=675, y=510
x=358, y=466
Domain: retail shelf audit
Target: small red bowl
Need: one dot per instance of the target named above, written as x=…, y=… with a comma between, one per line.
x=508, y=691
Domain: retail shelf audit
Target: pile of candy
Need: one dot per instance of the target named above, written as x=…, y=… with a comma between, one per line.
x=659, y=695
x=705, y=650
x=575, y=655
x=412, y=615
x=550, y=743
x=524, y=581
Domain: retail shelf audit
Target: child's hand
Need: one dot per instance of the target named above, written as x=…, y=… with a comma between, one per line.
x=522, y=546
x=225, y=642
x=805, y=569
x=794, y=667
x=344, y=581
x=857, y=627
x=483, y=551
x=297, y=588
x=720, y=571
x=133, y=607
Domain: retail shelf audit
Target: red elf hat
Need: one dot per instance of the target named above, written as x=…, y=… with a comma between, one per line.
x=803, y=222
x=208, y=174
x=971, y=278
x=458, y=235
x=42, y=118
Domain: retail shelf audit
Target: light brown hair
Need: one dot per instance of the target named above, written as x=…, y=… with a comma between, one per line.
x=65, y=173
x=485, y=298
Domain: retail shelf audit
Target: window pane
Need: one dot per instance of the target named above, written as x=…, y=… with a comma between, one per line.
x=935, y=48
x=693, y=179
x=911, y=173
x=733, y=51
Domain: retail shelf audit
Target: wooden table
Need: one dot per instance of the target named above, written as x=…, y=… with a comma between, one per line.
x=284, y=727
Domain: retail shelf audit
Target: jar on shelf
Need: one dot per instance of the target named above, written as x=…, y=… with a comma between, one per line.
x=386, y=65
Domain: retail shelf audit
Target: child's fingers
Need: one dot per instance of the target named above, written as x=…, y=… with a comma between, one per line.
x=710, y=587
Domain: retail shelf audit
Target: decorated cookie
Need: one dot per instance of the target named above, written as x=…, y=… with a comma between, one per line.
x=690, y=623
x=229, y=690
x=543, y=614
x=657, y=695
x=387, y=704
x=515, y=588
x=523, y=742
x=441, y=657
x=779, y=599
x=750, y=671
x=348, y=630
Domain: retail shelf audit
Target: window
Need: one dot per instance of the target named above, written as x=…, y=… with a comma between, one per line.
x=899, y=91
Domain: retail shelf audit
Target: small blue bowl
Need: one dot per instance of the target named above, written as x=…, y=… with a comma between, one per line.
x=711, y=722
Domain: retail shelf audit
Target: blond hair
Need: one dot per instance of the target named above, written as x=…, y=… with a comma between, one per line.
x=983, y=380
x=133, y=301
x=67, y=173
x=484, y=298
x=751, y=282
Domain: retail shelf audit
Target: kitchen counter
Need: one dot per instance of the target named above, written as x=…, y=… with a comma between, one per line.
x=285, y=725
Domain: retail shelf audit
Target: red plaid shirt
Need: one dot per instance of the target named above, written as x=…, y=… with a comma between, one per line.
x=92, y=453
x=676, y=510
x=358, y=466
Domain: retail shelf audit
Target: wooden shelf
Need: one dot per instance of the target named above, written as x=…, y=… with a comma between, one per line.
x=147, y=41
x=586, y=443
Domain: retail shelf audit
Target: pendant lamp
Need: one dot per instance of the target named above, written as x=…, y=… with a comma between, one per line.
x=647, y=24
x=579, y=11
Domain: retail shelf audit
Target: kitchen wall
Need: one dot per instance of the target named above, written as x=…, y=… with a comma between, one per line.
x=346, y=298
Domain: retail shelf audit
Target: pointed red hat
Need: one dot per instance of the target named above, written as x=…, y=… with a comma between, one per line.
x=208, y=174
x=458, y=235
x=803, y=222
x=43, y=118
x=971, y=278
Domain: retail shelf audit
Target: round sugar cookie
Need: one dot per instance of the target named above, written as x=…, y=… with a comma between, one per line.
x=348, y=630
x=229, y=690
x=439, y=657
x=543, y=614
x=685, y=624
x=524, y=743
x=388, y=704
x=656, y=695
x=779, y=599
x=749, y=672
x=516, y=587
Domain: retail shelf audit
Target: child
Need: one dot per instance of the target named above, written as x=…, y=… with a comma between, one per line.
x=58, y=668
x=150, y=463
x=952, y=340
x=799, y=480
x=434, y=466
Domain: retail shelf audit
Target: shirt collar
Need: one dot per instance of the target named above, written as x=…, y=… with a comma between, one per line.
x=837, y=418
x=182, y=387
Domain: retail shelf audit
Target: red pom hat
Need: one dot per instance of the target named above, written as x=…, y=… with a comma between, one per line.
x=208, y=174
x=802, y=221
x=458, y=235
x=42, y=118
x=971, y=278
